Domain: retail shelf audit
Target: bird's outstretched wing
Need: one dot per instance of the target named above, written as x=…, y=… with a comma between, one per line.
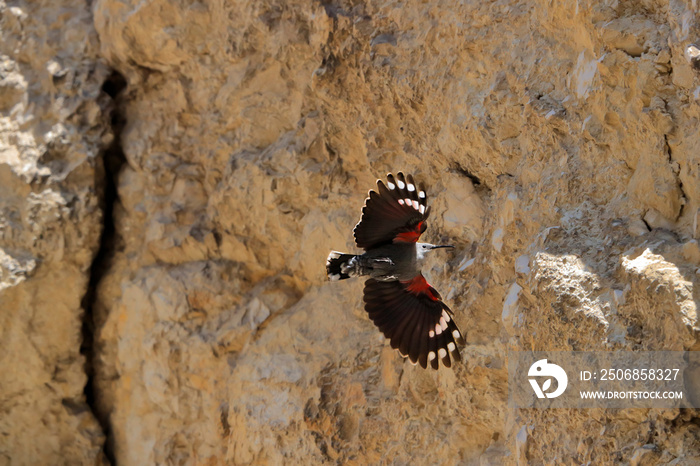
x=396, y=212
x=413, y=317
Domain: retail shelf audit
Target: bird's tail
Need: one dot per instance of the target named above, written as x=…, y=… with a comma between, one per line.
x=340, y=266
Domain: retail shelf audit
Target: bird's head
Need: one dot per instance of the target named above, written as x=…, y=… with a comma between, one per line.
x=423, y=248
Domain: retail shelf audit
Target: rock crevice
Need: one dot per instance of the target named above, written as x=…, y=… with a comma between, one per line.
x=113, y=159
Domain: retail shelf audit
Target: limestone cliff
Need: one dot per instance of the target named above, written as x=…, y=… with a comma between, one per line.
x=173, y=175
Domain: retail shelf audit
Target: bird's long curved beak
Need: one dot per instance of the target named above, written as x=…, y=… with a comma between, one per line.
x=442, y=246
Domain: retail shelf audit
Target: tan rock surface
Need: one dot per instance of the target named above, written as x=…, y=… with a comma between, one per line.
x=53, y=126
x=559, y=143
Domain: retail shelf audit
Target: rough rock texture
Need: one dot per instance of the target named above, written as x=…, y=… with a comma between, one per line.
x=53, y=126
x=560, y=144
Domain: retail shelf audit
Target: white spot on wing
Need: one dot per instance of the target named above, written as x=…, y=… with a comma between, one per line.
x=391, y=185
x=411, y=187
x=401, y=201
x=442, y=353
x=431, y=334
x=431, y=355
x=401, y=184
x=421, y=194
x=451, y=346
x=456, y=334
x=445, y=316
x=415, y=205
x=438, y=329
x=443, y=324
x=421, y=209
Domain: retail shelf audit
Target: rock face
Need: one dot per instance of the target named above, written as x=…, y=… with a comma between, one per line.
x=559, y=145
x=53, y=128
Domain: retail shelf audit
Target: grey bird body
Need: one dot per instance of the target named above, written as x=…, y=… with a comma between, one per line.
x=396, y=261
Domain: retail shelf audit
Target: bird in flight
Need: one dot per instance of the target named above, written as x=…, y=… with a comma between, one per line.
x=398, y=299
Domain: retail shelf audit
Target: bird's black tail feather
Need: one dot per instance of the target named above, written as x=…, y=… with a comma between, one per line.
x=334, y=265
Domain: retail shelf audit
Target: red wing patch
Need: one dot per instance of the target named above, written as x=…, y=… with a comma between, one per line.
x=407, y=237
x=420, y=286
x=412, y=235
x=395, y=212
